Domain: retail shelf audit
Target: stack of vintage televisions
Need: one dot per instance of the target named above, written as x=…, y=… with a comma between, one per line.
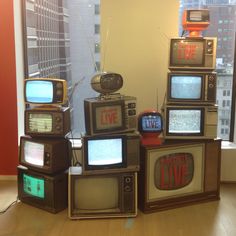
x=185, y=169
x=44, y=155
x=105, y=186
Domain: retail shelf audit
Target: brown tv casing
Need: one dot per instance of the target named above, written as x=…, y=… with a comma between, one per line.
x=208, y=176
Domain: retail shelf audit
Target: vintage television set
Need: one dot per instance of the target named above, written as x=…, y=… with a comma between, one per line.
x=192, y=54
x=45, y=91
x=110, y=153
x=112, y=114
x=190, y=122
x=102, y=196
x=191, y=87
x=47, y=192
x=179, y=173
x=48, y=122
x=150, y=126
x=45, y=155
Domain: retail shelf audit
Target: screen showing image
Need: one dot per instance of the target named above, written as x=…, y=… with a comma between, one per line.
x=96, y=193
x=187, y=53
x=40, y=122
x=105, y=151
x=39, y=91
x=185, y=121
x=33, y=186
x=186, y=87
x=34, y=153
x=151, y=123
x=195, y=16
x=108, y=117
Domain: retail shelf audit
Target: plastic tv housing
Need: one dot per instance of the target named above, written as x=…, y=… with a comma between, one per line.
x=179, y=173
x=102, y=195
x=114, y=114
x=190, y=122
x=48, y=122
x=45, y=91
x=47, y=192
x=45, y=155
x=191, y=87
x=192, y=53
x=110, y=153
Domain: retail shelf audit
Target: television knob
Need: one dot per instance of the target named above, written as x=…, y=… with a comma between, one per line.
x=211, y=85
x=58, y=127
x=209, y=50
x=127, y=188
x=127, y=180
x=211, y=78
x=209, y=43
x=58, y=119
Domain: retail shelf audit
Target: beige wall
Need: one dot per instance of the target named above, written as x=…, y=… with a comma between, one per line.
x=137, y=45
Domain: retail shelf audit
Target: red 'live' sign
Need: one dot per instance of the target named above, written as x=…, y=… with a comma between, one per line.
x=187, y=51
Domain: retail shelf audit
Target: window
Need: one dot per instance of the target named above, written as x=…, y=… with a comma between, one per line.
x=223, y=20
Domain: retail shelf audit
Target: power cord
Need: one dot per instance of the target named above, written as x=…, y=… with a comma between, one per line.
x=8, y=207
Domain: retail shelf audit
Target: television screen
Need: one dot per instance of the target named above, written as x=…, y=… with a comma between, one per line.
x=109, y=117
x=185, y=121
x=151, y=123
x=186, y=87
x=34, y=153
x=187, y=52
x=96, y=193
x=40, y=122
x=39, y=91
x=105, y=151
x=33, y=186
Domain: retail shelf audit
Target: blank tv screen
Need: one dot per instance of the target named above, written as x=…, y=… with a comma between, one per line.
x=34, y=153
x=187, y=53
x=39, y=122
x=33, y=186
x=39, y=91
x=108, y=117
x=105, y=151
x=185, y=121
x=96, y=193
x=151, y=123
x=186, y=87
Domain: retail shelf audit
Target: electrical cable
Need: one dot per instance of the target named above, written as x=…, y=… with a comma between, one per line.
x=8, y=207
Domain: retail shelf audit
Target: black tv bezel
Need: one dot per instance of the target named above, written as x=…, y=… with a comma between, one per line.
x=202, y=64
x=108, y=103
x=169, y=87
x=56, y=99
x=205, y=17
x=122, y=164
x=140, y=127
x=202, y=122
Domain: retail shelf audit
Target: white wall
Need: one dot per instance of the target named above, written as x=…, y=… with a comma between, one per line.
x=137, y=45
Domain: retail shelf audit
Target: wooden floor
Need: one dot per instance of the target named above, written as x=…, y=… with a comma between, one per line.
x=217, y=218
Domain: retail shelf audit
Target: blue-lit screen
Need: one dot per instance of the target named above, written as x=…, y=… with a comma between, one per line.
x=186, y=87
x=39, y=91
x=105, y=151
x=151, y=123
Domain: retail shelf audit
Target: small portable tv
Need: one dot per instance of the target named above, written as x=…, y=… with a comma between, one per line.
x=192, y=54
x=115, y=114
x=106, y=82
x=150, y=126
x=102, y=196
x=176, y=174
x=110, y=153
x=45, y=155
x=195, y=21
x=48, y=122
x=45, y=91
x=190, y=122
x=47, y=192
x=191, y=87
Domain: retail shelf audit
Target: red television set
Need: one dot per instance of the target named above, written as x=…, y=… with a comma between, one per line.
x=150, y=126
x=48, y=122
x=179, y=173
x=192, y=54
x=190, y=122
x=110, y=153
x=102, y=195
x=45, y=155
x=45, y=91
x=191, y=88
x=47, y=192
x=113, y=114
